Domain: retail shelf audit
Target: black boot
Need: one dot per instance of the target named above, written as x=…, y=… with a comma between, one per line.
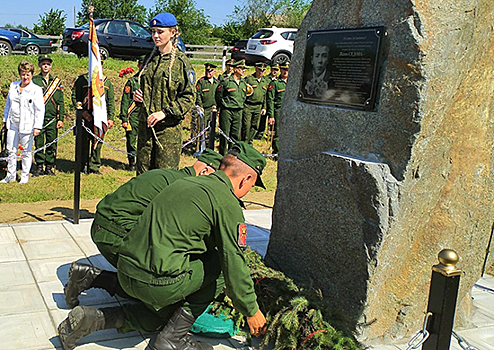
x=39, y=170
x=81, y=276
x=175, y=335
x=132, y=164
x=84, y=320
x=49, y=170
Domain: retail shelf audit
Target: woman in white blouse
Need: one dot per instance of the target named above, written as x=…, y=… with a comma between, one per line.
x=23, y=118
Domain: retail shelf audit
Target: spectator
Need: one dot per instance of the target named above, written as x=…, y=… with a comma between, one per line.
x=23, y=118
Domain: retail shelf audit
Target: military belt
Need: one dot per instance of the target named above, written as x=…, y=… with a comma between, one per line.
x=109, y=225
x=253, y=103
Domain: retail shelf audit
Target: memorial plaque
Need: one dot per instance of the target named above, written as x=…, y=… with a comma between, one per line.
x=342, y=67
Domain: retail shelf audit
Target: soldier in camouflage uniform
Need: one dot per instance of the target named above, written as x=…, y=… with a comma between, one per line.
x=54, y=113
x=255, y=103
x=129, y=115
x=167, y=94
x=273, y=75
x=91, y=148
x=274, y=98
x=230, y=96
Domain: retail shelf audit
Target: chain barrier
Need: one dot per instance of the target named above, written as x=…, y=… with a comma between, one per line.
x=42, y=147
x=89, y=131
x=415, y=342
x=99, y=139
x=462, y=342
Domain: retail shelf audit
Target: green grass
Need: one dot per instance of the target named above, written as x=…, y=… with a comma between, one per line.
x=60, y=187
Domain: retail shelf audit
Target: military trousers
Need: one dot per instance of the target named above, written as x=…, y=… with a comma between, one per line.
x=250, y=121
x=195, y=290
x=275, y=130
x=91, y=150
x=131, y=137
x=47, y=135
x=261, y=127
x=230, y=123
x=158, y=150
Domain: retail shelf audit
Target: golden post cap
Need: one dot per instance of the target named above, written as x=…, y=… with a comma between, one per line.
x=447, y=263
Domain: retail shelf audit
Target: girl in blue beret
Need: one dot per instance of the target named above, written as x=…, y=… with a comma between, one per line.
x=167, y=94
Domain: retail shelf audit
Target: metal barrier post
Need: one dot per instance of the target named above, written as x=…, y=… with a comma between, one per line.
x=201, y=142
x=78, y=161
x=443, y=293
x=212, y=127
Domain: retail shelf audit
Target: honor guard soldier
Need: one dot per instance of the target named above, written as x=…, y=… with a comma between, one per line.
x=228, y=70
x=91, y=148
x=184, y=249
x=129, y=115
x=230, y=97
x=54, y=113
x=167, y=93
x=274, y=98
x=255, y=103
x=206, y=88
x=273, y=75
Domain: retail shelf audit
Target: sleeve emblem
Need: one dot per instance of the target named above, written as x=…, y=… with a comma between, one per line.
x=127, y=89
x=242, y=235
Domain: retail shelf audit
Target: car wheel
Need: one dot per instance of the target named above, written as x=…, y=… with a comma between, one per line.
x=32, y=50
x=280, y=58
x=103, y=52
x=5, y=48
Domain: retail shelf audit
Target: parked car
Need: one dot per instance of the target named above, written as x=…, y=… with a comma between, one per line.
x=272, y=45
x=30, y=43
x=8, y=40
x=116, y=38
x=238, y=51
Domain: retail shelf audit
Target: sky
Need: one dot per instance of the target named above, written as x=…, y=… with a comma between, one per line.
x=28, y=13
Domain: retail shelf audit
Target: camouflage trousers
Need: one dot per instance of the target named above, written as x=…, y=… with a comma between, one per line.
x=158, y=150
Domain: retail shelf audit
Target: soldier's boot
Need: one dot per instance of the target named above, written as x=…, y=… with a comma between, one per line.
x=84, y=276
x=49, y=170
x=175, y=335
x=38, y=171
x=84, y=320
x=132, y=164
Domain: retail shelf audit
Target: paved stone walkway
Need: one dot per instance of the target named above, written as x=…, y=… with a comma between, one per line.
x=34, y=263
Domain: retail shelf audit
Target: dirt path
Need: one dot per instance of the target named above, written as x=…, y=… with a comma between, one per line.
x=63, y=210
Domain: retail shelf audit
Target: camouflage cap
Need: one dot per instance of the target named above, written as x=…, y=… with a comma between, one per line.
x=211, y=158
x=250, y=156
x=44, y=57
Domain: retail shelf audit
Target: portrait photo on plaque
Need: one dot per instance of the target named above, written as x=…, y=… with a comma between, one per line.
x=341, y=67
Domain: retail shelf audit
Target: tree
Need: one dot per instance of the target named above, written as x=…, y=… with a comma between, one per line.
x=119, y=9
x=255, y=14
x=193, y=23
x=51, y=23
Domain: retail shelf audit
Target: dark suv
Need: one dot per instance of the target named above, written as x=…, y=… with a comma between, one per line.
x=238, y=51
x=116, y=37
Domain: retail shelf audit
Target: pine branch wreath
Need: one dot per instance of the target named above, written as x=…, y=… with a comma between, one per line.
x=295, y=316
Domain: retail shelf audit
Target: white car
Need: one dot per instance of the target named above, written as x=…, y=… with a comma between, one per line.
x=271, y=45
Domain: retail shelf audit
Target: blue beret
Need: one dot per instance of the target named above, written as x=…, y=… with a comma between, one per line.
x=163, y=19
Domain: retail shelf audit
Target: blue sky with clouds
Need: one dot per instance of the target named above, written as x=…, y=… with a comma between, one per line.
x=27, y=12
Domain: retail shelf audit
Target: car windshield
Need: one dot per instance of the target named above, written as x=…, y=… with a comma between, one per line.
x=241, y=44
x=262, y=34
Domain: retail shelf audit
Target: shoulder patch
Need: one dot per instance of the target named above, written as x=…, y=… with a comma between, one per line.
x=242, y=235
x=127, y=89
x=219, y=87
x=192, y=76
x=270, y=87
